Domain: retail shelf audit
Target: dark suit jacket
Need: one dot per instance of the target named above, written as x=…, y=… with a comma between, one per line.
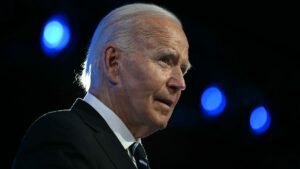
x=78, y=138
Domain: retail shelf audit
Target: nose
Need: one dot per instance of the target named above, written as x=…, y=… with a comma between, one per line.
x=176, y=81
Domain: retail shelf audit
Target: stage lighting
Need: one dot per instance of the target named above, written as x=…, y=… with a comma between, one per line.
x=260, y=120
x=213, y=101
x=55, y=35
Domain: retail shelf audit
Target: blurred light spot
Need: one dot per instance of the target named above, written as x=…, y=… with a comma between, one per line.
x=260, y=120
x=56, y=36
x=213, y=101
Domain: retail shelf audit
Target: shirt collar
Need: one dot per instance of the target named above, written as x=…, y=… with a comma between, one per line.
x=114, y=122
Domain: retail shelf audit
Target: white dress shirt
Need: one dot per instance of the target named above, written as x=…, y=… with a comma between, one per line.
x=114, y=122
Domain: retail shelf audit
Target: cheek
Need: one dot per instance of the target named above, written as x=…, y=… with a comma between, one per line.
x=137, y=85
x=143, y=79
x=149, y=77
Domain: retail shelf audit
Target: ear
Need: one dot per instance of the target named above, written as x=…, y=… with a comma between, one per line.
x=112, y=63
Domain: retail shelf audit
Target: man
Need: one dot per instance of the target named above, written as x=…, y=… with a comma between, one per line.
x=133, y=75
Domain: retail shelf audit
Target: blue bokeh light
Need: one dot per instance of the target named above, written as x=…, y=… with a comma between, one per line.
x=213, y=101
x=260, y=120
x=55, y=36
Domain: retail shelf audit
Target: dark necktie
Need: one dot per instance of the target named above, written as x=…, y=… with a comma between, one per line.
x=139, y=154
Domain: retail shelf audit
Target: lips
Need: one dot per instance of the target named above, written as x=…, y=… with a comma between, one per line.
x=166, y=101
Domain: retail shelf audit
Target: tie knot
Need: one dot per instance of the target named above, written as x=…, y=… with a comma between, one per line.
x=137, y=150
x=139, y=154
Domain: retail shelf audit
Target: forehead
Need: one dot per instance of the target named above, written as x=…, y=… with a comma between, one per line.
x=161, y=27
x=156, y=32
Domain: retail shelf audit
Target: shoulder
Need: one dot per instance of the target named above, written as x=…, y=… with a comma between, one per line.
x=56, y=116
x=53, y=124
x=62, y=127
x=56, y=119
x=57, y=136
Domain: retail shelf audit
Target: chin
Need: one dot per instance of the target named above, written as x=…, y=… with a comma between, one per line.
x=161, y=119
x=162, y=124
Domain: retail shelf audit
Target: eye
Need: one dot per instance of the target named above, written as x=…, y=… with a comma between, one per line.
x=165, y=61
x=183, y=69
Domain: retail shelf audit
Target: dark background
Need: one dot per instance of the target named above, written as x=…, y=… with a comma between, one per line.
x=248, y=49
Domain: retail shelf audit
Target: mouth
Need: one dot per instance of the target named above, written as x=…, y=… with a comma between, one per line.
x=166, y=101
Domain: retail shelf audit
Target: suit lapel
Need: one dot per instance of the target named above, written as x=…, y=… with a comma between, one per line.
x=104, y=135
x=115, y=150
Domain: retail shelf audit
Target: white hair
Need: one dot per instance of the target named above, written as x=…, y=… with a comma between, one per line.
x=117, y=27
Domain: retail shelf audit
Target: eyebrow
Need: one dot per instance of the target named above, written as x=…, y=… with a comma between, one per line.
x=187, y=67
x=175, y=55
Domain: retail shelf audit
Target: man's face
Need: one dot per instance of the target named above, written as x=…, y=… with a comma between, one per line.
x=151, y=78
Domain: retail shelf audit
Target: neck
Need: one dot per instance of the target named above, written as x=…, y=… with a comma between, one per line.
x=110, y=100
